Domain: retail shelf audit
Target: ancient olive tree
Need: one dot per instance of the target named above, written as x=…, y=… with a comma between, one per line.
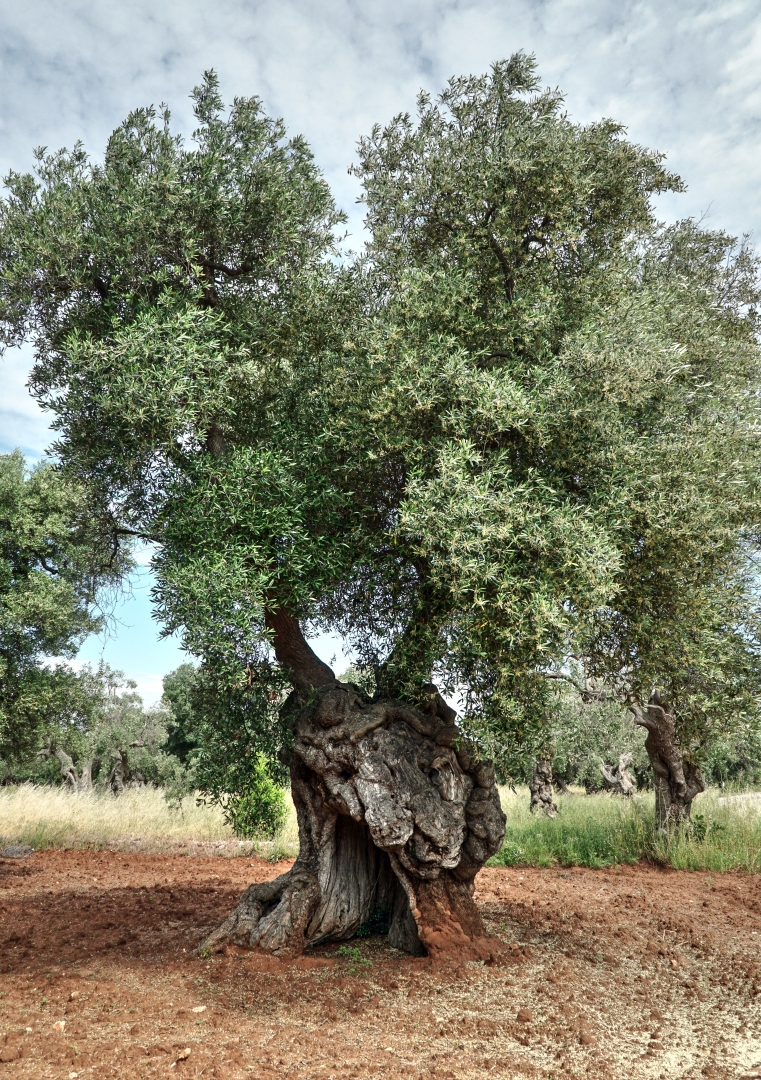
x=593, y=484
x=396, y=448
x=188, y=320
x=680, y=638
x=108, y=738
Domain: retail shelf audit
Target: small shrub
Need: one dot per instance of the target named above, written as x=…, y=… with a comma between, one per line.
x=260, y=812
x=377, y=922
x=357, y=961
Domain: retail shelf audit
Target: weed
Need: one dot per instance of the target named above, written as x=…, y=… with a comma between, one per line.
x=348, y=952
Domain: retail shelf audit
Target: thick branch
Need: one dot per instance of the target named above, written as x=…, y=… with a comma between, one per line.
x=585, y=692
x=229, y=271
x=295, y=654
x=507, y=270
x=215, y=440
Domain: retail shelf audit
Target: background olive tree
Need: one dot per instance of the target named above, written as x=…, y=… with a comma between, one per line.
x=57, y=568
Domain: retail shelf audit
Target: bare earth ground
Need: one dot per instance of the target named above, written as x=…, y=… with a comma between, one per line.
x=633, y=972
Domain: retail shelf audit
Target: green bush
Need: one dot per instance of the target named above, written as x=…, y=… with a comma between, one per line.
x=260, y=812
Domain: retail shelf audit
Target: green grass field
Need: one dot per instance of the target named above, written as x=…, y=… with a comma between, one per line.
x=602, y=830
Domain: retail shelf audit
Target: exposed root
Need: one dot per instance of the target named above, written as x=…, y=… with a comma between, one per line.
x=272, y=915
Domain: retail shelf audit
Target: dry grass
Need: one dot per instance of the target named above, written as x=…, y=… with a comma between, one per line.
x=53, y=817
x=138, y=820
x=590, y=830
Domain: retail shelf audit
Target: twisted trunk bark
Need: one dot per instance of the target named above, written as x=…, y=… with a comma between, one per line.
x=677, y=781
x=81, y=782
x=394, y=820
x=619, y=779
x=540, y=786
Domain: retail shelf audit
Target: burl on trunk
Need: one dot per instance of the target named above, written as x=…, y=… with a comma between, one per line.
x=396, y=817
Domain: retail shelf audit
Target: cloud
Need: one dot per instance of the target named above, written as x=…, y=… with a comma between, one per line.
x=683, y=75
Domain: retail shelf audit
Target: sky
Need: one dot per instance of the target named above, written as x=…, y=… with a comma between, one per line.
x=684, y=77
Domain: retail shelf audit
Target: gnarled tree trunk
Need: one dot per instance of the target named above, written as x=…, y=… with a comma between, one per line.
x=560, y=786
x=77, y=782
x=677, y=781
x=540, y=786
x=618, y=779
x=395, y=816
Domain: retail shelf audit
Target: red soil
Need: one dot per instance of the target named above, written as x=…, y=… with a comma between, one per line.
x=634, y=972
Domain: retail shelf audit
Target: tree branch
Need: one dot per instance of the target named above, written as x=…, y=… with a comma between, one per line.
x=50, y=569
x=584, y=691
x=229, y=271
x=507, y=270
x=294, y=653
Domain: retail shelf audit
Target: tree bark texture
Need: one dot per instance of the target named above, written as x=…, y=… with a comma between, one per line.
x=540, y=786
x=618, y=778
x=396, y=816
x=677, y=781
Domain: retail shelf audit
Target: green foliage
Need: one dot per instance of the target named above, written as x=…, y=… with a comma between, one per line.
x=178, y=698
x=362, y=678
x=734, y=759
x=55, y=564
x=357, y=963
x=584, y=734
x=579, y=735
x=377, y=922
x=521, y=427
x=105, y=737
x=213, y=718
x=260, y=812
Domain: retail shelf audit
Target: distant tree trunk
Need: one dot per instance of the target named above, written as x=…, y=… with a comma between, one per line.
x=85, y=774
x=540, y=786
x=560, y=786
x=619, y=779
x=81, y=782
x=120, y=773
x=677, y=781
x=391, y=819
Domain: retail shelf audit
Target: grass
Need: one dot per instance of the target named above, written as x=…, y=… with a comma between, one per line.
x=590, y=830
x=140, y=819
x=601, y=830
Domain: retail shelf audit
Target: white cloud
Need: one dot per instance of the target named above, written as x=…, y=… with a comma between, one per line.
x=676, y=71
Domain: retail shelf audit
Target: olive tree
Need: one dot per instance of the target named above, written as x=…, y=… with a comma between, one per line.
x=395, y=447
x=579, y=385
x=56, y=566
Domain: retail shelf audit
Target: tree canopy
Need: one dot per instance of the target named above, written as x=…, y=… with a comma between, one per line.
x=55, y=564
x=521, y=425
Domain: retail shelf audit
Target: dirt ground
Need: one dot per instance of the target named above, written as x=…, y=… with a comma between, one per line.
x=635, y=972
